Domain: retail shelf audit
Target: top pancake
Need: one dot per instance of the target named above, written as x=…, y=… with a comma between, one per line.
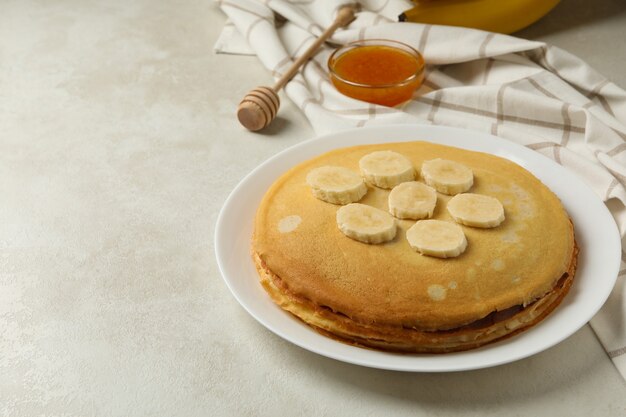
x=297, y=237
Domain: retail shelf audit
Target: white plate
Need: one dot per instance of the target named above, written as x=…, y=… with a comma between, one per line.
x=596, y=234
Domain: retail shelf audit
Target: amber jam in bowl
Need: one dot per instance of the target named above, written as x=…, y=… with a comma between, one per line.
x=377, y=71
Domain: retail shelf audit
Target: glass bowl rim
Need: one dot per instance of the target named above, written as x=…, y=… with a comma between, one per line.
x=377, y=42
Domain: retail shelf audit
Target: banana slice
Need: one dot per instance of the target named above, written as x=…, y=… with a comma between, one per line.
x=365, y=223
x=437, y=238
x=412, y=200
x=336, y=185
x=447, y=177
x=476, y=210
x=386, y=169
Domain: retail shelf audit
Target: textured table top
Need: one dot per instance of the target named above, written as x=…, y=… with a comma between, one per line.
x=118, y=146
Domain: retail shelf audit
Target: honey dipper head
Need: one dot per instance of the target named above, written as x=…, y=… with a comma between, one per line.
x=258, y=108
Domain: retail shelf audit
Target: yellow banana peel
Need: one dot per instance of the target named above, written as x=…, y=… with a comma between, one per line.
x=502, y=16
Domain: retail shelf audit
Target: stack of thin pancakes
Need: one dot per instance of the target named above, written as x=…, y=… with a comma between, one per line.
x=389, y=297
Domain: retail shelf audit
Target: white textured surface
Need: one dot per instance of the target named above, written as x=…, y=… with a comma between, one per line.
x=593, y=31
x=118, y=145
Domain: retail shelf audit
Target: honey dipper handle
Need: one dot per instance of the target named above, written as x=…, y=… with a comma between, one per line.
x=259, y=107
x=344, y=16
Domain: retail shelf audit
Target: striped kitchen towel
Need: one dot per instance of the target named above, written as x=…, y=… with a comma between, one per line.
x=528, y=92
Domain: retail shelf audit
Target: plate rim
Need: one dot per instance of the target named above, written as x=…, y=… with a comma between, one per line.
x=422, y=362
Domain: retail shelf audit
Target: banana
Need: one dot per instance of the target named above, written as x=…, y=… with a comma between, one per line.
x=386, y=169
x=336, y=185
x=476, y=210
x=412, y=200
x=437, y=238
x=492, y=15
x=365, y=223
x=447, y=177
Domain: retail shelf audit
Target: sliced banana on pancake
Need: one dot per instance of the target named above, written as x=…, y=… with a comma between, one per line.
x=336, y=185
x=437, y=238
x=412, y=200
x=476, y=210
x=365, y=223
x=386, y=169
x=447, y=177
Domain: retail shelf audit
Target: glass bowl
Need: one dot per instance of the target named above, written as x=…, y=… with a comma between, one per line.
x=378, y=71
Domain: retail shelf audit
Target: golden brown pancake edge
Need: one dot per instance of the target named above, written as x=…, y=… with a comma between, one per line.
x=383, y=294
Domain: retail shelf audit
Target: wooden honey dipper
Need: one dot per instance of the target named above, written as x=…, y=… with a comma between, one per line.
x=259, y=107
